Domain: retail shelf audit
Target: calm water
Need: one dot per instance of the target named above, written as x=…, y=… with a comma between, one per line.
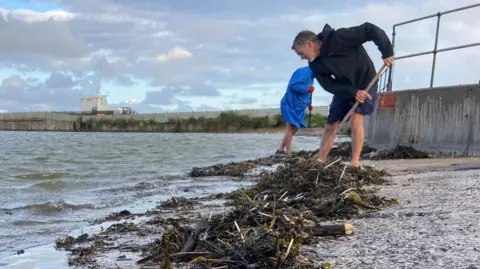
x=52, y=183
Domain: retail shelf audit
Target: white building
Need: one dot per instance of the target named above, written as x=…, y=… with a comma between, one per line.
x=97, y=103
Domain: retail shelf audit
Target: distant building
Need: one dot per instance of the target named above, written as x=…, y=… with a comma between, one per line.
x=93, y=104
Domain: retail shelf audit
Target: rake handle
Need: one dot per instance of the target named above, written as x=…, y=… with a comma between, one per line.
x=350, y=112
x=369, y=87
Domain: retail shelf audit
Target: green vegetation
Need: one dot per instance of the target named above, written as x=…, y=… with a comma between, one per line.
x=225, y=122
x=316, y=121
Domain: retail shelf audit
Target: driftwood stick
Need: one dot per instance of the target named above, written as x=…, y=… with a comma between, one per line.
x=332, y=163
x=190, y=253
x=240, y=231
x=192, y=238
x=288, y=249
x=203, y=259
x=343, y=172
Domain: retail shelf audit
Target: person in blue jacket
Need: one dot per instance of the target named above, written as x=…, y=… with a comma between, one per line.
x=293, y=104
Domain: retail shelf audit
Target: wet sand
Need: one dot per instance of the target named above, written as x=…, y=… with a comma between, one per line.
x=435, y=224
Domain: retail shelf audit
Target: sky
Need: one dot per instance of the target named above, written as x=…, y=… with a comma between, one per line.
x=190, y=55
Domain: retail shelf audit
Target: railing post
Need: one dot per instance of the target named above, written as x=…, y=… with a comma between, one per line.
x=439, y=14
x=390, y=71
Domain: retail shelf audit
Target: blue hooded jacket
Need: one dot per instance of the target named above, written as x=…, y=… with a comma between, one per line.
x=297, y=97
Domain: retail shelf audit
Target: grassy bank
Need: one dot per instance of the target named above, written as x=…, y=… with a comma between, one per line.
x=225, y=122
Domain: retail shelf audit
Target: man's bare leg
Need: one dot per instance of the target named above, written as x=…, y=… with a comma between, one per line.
x=358, y=134
x=326, y=143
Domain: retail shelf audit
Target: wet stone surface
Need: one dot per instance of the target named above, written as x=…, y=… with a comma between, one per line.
x=435, y=225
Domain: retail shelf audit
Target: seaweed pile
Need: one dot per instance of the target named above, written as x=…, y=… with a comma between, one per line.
x=399, y=152
x=270, y=221
x=239, y=169
x=345, y=150
x=342, y=150
x=265, y=226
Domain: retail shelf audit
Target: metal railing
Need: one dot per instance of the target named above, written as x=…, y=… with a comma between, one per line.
x=435, y=47
x=383, y=82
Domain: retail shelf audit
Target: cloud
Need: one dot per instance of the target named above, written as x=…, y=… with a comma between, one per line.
x=247, y=101
x=59, y=91
x=177, y=53
x=182, y=55
x=27, y=32
x=125, y=81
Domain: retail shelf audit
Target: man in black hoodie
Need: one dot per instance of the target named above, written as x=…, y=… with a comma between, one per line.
x=343, y=68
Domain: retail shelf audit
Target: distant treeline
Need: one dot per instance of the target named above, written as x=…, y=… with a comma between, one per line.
x=225, y=122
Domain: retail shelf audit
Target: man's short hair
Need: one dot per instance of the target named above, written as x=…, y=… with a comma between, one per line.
x=302, y=37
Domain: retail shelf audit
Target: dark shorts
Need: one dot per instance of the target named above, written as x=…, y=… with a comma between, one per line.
x=339, y=108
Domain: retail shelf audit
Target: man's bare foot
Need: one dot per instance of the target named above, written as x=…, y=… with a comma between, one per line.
x=355, y=164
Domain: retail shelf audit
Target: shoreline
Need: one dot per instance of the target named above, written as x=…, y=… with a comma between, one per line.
x=402, y=170
x=279, y=130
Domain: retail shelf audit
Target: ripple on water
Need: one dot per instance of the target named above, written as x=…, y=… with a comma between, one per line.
x=21, y=223
x=59, y=185
x=42, y=176
x=52, y=207
x=41, y=158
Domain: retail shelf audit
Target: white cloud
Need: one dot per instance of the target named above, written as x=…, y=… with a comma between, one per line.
x=147, y=47
x=32, y=16
x=177, y=53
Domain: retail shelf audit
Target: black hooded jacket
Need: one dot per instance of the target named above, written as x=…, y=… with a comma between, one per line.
x=344, y=66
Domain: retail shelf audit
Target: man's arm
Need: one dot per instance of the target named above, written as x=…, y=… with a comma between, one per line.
x=357, y=35
x=342, y=89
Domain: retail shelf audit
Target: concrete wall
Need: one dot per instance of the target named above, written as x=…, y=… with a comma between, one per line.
x=159, y=117
x=36, y=125
x=441, y=120
x=56, y=121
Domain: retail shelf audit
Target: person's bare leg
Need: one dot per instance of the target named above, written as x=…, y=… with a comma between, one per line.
x=281, y=148
x=326, y=143
x=292, y=130
x=357, y=138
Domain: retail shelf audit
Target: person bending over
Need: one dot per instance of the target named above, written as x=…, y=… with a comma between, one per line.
x=293, y=104
x=343, y=68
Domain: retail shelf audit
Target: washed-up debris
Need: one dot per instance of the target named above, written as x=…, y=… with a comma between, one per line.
x=343, y=150
x=270, y=220
x=229, y=169
x=68, y=242
x=178, y=202
x=240, y=169
x=399, y=152
x=115, y=216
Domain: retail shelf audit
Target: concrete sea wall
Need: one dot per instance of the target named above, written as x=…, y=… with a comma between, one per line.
x=444, y=121
x=161, y=122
